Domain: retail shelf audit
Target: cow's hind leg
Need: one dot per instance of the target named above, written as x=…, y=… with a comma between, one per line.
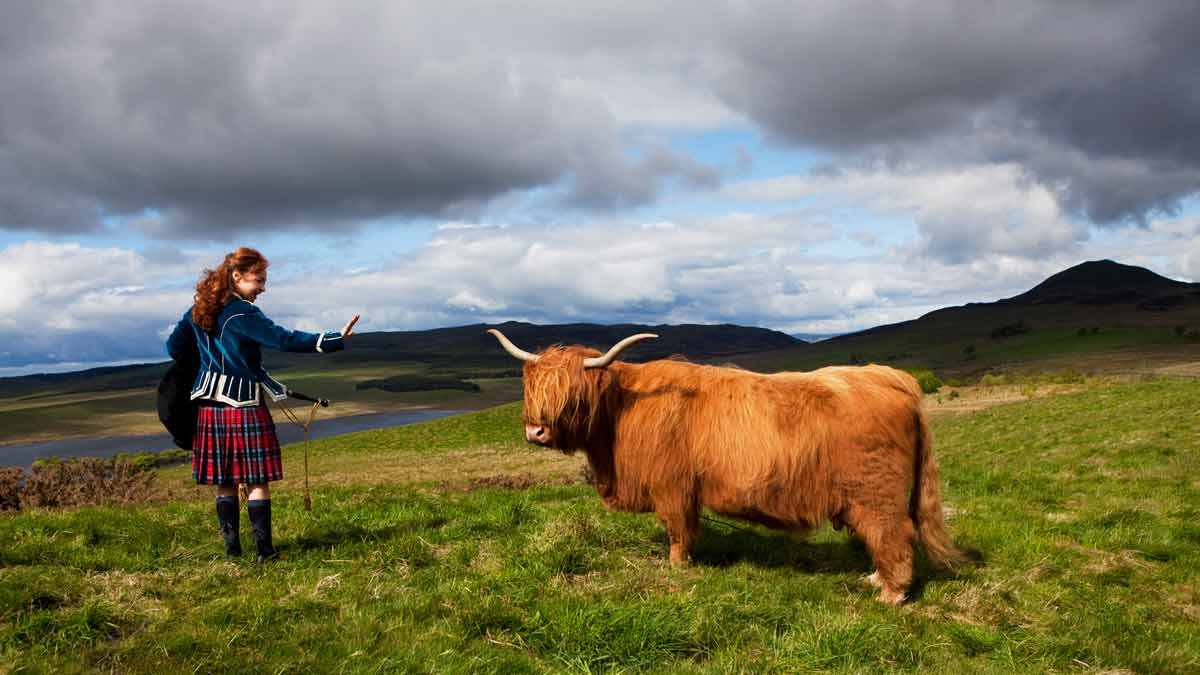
x=682, y=522
x=889, y=539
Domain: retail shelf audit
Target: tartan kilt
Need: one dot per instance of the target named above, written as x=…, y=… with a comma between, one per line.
x=235, y=445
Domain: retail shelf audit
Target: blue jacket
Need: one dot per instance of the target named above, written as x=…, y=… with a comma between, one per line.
x=231, y=368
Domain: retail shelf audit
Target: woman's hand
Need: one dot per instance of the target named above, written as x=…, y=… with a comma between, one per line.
x=349, y=329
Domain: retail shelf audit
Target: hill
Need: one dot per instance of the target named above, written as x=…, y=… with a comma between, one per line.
x=471, y=344
x=1104, y=282
x=1095, y=315
x=456, y=347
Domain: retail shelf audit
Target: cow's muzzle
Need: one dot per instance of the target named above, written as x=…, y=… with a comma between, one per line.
x=537, y=434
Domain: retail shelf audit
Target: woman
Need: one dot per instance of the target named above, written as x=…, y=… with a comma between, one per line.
x=235, y=438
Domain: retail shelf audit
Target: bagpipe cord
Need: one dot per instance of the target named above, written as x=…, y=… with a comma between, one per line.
x=312, y=414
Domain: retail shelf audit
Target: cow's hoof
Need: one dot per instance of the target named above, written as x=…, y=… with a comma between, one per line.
x=680, y=555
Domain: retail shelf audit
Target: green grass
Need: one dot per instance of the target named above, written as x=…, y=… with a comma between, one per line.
x=1084, y=506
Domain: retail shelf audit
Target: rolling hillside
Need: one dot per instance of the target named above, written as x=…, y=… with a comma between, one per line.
x=458, y=347
x=1098, y=315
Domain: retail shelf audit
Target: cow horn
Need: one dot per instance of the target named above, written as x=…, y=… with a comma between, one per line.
x=513, y=349
x=602, y=361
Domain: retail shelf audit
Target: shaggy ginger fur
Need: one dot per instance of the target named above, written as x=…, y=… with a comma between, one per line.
x=789, y=450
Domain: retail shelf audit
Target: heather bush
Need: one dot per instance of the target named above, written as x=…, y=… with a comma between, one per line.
x=10, y=488
x=75, y=482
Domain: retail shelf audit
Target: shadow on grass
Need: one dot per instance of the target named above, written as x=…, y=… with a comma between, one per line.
x=325, y=537
x=723, y=546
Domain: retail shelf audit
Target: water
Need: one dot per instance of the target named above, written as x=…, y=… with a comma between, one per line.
x=24, y=454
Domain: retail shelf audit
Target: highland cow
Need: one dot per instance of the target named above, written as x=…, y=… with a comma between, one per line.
x=788, y=450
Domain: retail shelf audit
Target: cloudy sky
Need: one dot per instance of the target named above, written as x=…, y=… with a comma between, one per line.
x=810, y=167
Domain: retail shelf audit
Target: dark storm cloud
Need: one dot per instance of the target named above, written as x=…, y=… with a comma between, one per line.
x=192, y=118
x=188, y=118
x=1099, y=100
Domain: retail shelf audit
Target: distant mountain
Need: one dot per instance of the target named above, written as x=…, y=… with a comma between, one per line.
x=456, y=347
x=472, y=343
x=1097, y=307
x=1102, y=282
x=1131, y=294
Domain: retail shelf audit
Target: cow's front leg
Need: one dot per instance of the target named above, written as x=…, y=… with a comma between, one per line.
x=682, y=521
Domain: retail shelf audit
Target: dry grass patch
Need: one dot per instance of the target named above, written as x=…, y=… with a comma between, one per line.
x=990, y=603
x=487, y=559
x=520, y=481
x=134, y=590
x=459, y=467
x=1186, y=369
x=973, y=398
x=1186, y=601
x=1125, y=560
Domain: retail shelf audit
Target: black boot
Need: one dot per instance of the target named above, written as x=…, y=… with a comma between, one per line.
x=260, y=522
x=228, y=516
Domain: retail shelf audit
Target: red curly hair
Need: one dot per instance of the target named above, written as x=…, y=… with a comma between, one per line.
x=216, y=285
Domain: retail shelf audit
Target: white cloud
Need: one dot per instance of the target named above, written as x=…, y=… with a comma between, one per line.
x=86, y=304
x=740, y=268
x=961, y=213
x=75, y=303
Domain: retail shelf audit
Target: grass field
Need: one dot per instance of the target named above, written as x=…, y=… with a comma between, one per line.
x=453, y=547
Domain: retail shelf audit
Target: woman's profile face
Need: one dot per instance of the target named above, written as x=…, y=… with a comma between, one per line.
x=251, y=284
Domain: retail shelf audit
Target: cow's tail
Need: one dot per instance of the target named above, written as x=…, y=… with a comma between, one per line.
x=926, y=505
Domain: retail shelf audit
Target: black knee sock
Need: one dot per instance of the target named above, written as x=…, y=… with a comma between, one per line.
x=260, y=522
x=228, y=516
